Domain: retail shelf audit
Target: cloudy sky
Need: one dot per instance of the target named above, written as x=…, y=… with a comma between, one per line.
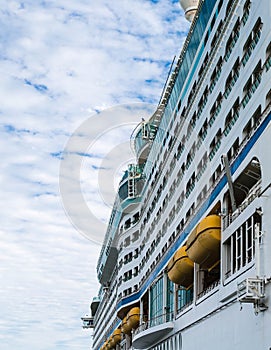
x=70, y=71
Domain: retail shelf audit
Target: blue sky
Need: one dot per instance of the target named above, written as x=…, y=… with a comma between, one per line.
x=61, y=63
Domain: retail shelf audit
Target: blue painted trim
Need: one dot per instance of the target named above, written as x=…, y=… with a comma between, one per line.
x=217, y=190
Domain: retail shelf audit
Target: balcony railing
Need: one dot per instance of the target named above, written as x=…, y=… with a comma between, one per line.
x=190, y=189
x=214, y=150
x=215, y=114
x=214, y=81
x=230, y=48
x=156, y=321
x=251, y=90
x=254, y=192
x=250, y=49
x=231, y=84
x=230, y=124
x=202, y=170
x=209, y=288
x=245, y=17
x=268, y=64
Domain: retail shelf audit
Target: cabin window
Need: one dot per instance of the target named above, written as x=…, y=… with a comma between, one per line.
x=232, y=40
x=232, y=78
x=156, y=302
x=216, y=74
x=252, y=41
x=252, y=84
x=215, y=109
x=252, y=123
x=202, y=165
x=268, y=98
x=184, y=297
x=190, y=185
x=215, y=144
x=232, y=117
x=217, y=34
x=246, y=11
x=229, y=7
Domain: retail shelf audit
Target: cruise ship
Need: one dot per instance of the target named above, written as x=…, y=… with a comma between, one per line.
x=186, y=259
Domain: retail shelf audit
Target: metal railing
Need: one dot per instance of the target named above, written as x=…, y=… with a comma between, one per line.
x=254, y=193
x=208, y=289
x=156, y=321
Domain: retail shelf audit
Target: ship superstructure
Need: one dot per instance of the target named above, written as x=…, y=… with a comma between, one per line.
x=186, y=260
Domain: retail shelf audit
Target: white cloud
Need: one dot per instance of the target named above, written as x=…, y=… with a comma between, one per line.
x=60, y=61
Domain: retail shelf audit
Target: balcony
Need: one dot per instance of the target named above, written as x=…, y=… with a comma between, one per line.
x=231, y=84
x=250, y=48
x=201, y=107
x=251, y=90
x=190, y=189
x=150, y=332
x=214, y=81
x=268, y=64
x=245, y=16
x=202, y=170
x=215, y=114
x=254, y=193
x=214, y=150
x=230, y=124
x=231, y=46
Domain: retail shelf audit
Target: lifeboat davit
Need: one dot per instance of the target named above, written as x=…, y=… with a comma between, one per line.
x=116, y=337
x=133, y=318
x=124, y=326
x=180, y=269
x=203, y=244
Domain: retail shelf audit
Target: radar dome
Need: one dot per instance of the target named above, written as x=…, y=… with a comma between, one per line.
x=190, y=8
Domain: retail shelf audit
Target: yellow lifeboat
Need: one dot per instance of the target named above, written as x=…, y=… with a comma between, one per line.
x=133, y=318
x=110, y=342
x=180, y=269
x=124, y=326
x=203, y=244
x=116, y=337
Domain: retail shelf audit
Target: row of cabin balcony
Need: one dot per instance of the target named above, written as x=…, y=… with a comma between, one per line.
x=217, y=71
x=210, y=57
x=216, y=109
x=249, y=89
x=213, y=181
x=189, y=49
x=230, y=82
x=229, y=9
x=189, y=52
x=253, y=122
